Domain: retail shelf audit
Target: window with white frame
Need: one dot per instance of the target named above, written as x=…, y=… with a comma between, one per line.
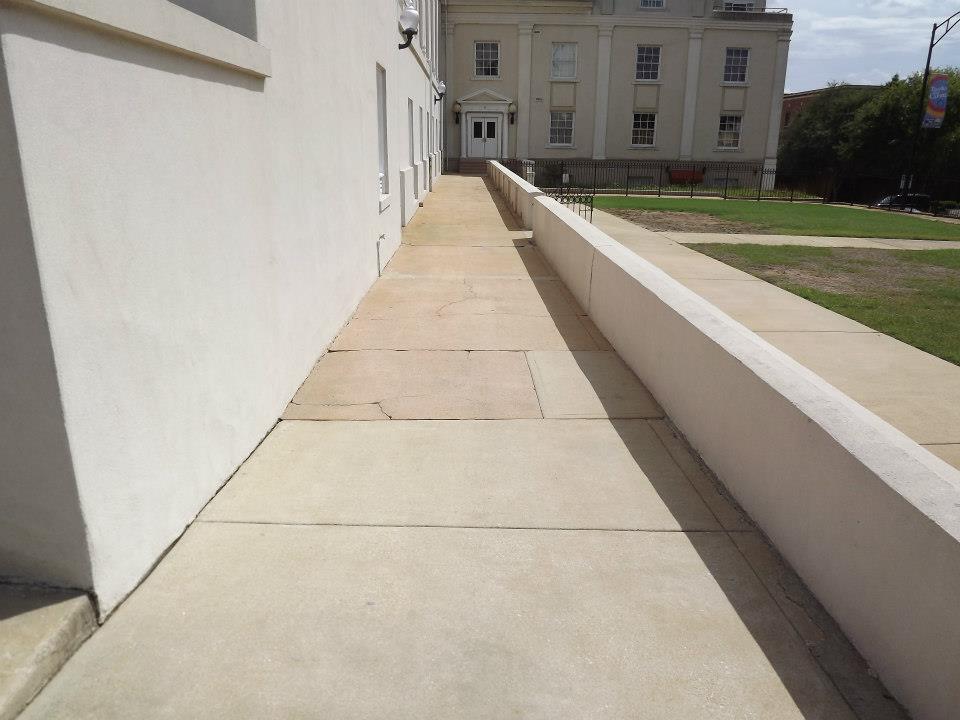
x=563, y=62
x=729, y=134
x=648, y=62
x=735, y=67
x=413, y=149
x=561, y=128
x=487, y=56
x=382, y=130
x=648, y=4
x=644, y=129
x=423, y=149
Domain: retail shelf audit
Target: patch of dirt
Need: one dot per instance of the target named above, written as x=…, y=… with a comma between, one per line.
x=664, y=221
x=850, y=271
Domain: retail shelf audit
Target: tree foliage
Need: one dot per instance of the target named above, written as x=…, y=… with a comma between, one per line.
x=856, y=131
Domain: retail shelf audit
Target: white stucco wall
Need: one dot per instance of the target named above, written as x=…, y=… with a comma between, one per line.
x=200, y=234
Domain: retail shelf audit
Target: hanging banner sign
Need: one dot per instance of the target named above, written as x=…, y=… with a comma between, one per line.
x=937, y=102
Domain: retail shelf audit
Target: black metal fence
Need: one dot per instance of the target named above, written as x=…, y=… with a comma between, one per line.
x=727, y=180
x=663, y=178
x=579, y=202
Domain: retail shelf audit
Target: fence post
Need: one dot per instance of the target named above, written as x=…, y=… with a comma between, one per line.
x=596, y=166
x=660, y=180
x=760, y=183
x=726, y=183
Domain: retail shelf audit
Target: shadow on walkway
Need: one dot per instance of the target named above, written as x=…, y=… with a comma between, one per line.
x=831, y=651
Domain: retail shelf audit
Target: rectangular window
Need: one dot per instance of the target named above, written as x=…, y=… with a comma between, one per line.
x=738, y=6
x=487, y=59
x=644, y=4
x=648, y=62
x=644, y=129
x=735, y=67
x=563, y=64
x=561, y=128
x=413, y=149
x=423, y=150
x=382, y=130
x=729, y=135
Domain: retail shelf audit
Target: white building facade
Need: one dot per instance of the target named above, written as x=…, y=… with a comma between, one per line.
x=195, y=196
x=694, y=80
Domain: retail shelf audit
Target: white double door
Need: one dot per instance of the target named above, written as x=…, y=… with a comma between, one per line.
x=483, y=139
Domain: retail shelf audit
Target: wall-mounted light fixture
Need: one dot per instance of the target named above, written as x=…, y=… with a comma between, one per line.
x=409, y=24
x=442, y=90
x=457, y=109
x=512, y=109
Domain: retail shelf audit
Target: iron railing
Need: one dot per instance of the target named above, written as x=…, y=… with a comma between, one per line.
x=748, y=7
x=730, y=180
x=662, y=178
x=579, y=202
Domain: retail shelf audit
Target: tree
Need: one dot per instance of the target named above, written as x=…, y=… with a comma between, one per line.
x=811, y=145
x=850, y=131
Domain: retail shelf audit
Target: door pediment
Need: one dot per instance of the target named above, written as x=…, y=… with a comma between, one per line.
x=485, y=97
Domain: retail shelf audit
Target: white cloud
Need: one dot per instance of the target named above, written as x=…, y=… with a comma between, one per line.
x=864, y=42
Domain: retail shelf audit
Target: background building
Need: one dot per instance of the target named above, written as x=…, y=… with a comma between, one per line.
x=195, y=196
x=640, y=79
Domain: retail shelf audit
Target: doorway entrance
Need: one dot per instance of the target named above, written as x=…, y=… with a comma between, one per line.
x=484, y=136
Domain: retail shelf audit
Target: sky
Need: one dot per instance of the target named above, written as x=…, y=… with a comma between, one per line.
x=864, y=41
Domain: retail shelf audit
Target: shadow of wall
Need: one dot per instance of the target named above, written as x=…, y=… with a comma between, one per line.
x=42, y=533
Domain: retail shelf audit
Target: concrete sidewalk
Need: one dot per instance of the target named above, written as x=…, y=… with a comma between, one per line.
x=473, y=510
x=915, y=392
x=809, y=240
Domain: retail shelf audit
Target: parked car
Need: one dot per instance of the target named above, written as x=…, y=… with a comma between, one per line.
x=913, y=202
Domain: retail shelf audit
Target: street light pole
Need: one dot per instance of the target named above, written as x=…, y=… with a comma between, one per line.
x=946, y=26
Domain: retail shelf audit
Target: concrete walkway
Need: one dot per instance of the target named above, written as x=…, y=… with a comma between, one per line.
x=809, y=240
x=472, y=510
x=914, y=391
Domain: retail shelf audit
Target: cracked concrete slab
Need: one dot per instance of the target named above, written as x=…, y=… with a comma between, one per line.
x=387, y=384
x=711, y=491
x=523, y=262
x=851, y=675
x=468, y=332
x=399, y=297
x=519, y=473
x=589, y=385
x=450, y=623
x=463, y=234
x=39, y=629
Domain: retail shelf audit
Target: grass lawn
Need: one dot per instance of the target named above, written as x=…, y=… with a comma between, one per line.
x=912, y=295
x=779, y=218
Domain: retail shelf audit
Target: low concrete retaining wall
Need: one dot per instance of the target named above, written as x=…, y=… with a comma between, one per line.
x=867, y=517
x=518, y=192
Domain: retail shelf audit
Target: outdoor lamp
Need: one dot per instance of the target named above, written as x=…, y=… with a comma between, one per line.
x=409, y=24
x=512, y=109
x=442, y=89
x=457, y=108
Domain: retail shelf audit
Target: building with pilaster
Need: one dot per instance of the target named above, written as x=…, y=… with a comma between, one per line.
x=626, y=79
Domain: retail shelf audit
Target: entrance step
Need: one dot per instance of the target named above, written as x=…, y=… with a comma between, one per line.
x=469, y=166
x=39, y=630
